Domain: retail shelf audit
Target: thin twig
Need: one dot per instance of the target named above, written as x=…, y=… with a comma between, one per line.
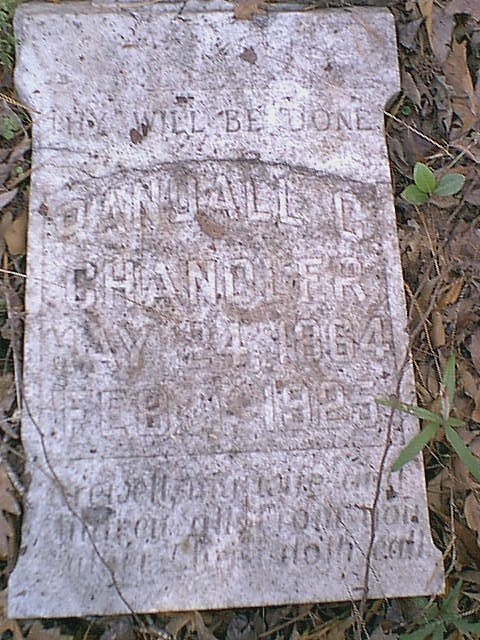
x=419, y=133
x=73, y=511
x=382, y=466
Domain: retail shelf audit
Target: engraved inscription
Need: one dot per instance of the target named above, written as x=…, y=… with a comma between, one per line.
x=183, y=121
x=284, y=319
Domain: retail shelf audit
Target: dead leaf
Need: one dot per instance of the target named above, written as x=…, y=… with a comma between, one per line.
x=475, y=349
x=396, y=154
x=246, y=9
x=464, y=314
x=336, y=631
x=464, y=246
x=7, y=392
x=457, y=75
x=8, y=501
x=246, y=627
x=194, y=621
x=15, y=235
x=466, y=545
x=38, y=632
x=473, y=197
x=410, y=89
x=120, y=629
x=14, y=158
x=6, y=197
x=477, y=93
x=425, y=7
x=442, y=29
x=7, y=537
x=468, y=7
x=177, y=623
x=9, y=507
x=6, y=623
x=438, y=330
x=442, y=97
x=439, y=490
x=476, y=411
x=415, y=147
x=407, y=34
x=468, y=381
x=199, y=626
x=295, y=635
x=462, y=475
x=380, y=634
x=469, y=143
x=471, y=510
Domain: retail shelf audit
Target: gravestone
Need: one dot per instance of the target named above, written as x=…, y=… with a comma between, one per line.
x=214, y=301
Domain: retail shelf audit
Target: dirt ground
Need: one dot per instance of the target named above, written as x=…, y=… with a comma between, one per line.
x=433, y=121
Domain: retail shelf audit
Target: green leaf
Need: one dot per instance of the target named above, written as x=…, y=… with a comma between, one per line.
x=449, y=379
x=413, y=195
x=449, y=185
x=430, y=613
x=424, y=178
x=468, y=627
x=439, y=633
x=450, y=603
x=411, y=409
x=463, y=452
x=421, y=603
x=416, y=444
x=9, y=126
x=455, y=422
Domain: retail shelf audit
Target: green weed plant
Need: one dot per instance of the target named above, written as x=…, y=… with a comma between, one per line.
x=426, y=185
x=9, y=127
x=433, y=423
x=440, y=620
x=7, y=39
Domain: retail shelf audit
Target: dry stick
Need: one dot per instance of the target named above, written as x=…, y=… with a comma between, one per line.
x=279, y=627
x=13, y=273
x=381, y=470
x=323, y=631
x=360, y=625
x=419, y=133
x=453, y=540
x=429, y=238
x=11, y=184
x=425, y=327
x=17, y=103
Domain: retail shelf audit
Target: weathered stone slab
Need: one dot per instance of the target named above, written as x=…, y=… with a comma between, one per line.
x=214, y=301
